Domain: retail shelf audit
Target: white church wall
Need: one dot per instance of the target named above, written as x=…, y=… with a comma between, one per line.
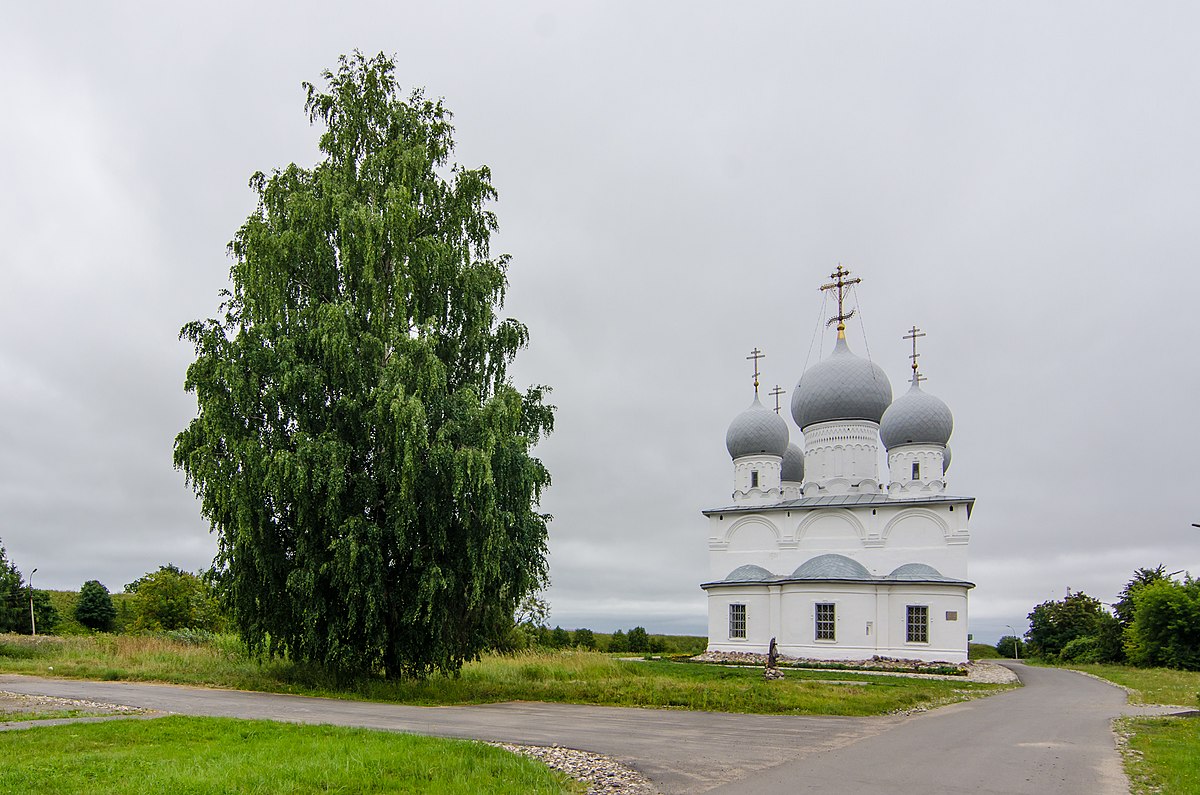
x=947, y=610
x=756, y=480
x=854, y=619
x=761, y=618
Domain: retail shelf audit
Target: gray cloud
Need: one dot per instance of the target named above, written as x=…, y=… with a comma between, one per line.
x=676, y=181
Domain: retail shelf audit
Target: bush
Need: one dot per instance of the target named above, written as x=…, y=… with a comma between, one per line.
x=1052, y=625
x=1166, y=625
x=559, y=638
x=170, y=599
x=1082, y=650
x=618, y=642
x=585, y=639
x=1009, y=646
x=95, y=608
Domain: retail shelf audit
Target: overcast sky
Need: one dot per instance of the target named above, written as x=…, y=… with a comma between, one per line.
x=676, y=180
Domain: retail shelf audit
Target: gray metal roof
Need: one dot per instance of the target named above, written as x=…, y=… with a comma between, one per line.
x=757, y=431
x=918, y=572
x=843, y=387
x=916, y=418
x=946, y=460
x=838, y=568
x=749, y=573
x=793, y=465
x=831, y=567
x=871, y=499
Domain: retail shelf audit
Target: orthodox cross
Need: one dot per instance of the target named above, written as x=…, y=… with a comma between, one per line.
x=914, y=334
x=840, y=283
x=775, y=393
x=756, y=354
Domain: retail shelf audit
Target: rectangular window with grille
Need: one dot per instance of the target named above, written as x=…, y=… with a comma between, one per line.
x=918, y=624
x=826, y=620
x=737, y=621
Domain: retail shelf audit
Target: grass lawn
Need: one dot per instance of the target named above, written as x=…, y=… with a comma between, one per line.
x=1150, y=685
x=568, y=677
x=203, y=755
x=1163, y=755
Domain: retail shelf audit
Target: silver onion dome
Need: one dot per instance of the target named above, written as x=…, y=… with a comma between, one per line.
x=843, y=387
x=916, y=418
x=946, y=460
x=757, y=431
x=793, y=465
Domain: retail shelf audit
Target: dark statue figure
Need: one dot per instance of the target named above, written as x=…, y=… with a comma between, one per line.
x=773, y=656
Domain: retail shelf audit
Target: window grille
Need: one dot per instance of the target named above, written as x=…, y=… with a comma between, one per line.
x=737, y=621
x=826, y=621
x=918, y=624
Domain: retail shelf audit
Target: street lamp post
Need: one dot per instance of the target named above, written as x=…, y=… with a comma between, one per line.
x=1016, y=643
x=32, y=619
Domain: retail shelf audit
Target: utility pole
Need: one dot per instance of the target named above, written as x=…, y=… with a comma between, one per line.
x=32, y=619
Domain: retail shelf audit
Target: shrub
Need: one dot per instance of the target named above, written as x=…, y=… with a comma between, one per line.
x=618, y=642
x=1166, y=625
x=1008, y=646
x=95, y=608
x=1082, y=650
x=585, y=639
x=559, y=638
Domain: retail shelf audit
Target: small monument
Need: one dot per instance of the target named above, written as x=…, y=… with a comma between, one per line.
x=772, y=671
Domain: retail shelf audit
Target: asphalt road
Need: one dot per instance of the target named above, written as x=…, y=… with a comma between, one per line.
x=1051, y=736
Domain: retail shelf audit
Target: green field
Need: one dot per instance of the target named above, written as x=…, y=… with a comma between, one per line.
x=204, y=755
x=567, y=677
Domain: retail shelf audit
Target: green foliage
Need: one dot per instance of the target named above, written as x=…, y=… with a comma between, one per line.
x=1082, y=650
x=1009, y=646
x=1166, y=625
x=559, y=638
x=1052, y=625
x=359, y=450
x=14, y=604
x=171, y=599
x=584, y=638
x=1125, y=606
x=44, y=612
x=95, y=609
x=639, y=641
x=618, y=642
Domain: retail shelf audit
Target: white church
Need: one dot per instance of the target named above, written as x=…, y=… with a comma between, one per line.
x=820, y=553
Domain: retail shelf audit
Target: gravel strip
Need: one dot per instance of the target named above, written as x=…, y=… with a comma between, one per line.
x=20, y=702
x=603, y=774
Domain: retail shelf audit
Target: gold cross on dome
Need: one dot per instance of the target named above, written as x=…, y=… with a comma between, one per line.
x=841, y=284
x=913, y=334
x=756, y=354
x=775, y=393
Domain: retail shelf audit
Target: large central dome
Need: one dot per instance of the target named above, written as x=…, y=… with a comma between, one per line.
x=843, y=387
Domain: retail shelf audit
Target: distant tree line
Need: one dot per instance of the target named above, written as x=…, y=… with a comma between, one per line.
x=168, y=599
x=1154, y=623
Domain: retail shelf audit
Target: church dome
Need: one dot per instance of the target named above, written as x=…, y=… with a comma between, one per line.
x=946, y=460
x=916, y=418
x=757, y=431
x=843, y=387
x=793, y=465
x=831, y=567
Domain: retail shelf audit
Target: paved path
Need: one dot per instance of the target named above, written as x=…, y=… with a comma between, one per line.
x=1049, y=737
